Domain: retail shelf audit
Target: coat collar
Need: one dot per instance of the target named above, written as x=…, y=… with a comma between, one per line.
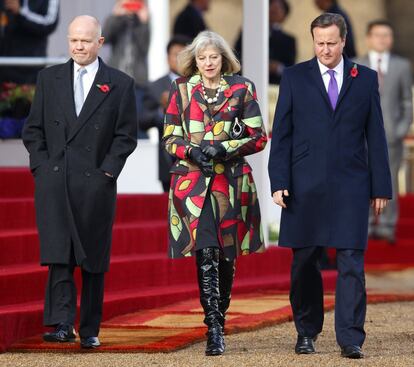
x=194, y=83
x=347, y=80
x=94, y=99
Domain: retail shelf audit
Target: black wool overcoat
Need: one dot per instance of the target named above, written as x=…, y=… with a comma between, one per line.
x=74, y=199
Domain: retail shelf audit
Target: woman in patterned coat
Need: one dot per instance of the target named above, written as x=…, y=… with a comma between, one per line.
x=212, y=121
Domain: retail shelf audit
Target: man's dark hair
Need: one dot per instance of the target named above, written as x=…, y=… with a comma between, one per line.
x=327, y=19
x=379, y=22
x=178, y=40
x=285, y=5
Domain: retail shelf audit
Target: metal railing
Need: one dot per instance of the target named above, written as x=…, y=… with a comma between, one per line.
x=31, y=61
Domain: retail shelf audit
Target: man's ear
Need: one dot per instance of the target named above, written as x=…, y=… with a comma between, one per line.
x=101, y=41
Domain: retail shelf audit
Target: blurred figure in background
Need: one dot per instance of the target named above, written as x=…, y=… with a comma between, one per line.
x=190, y=21
x=394, y=79
x=24, y=29
x=282, y=46
x=332, y=6
x=155, y=103
x=127, y=31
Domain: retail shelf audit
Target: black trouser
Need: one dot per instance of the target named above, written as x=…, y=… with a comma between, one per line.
x=306, y=295
x=60, y=299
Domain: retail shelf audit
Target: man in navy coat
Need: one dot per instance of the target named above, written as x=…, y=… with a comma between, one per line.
x=328, y=161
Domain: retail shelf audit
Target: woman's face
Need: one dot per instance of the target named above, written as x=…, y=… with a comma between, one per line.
x=209, y=62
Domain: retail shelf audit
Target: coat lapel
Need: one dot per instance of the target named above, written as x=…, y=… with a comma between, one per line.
x=64, y=91
x=347, y=81
x=94, y=99
x=222, y=99
x=317, y=78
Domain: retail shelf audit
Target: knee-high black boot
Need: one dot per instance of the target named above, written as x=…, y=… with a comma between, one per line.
x=226, y=276
x=207, y=260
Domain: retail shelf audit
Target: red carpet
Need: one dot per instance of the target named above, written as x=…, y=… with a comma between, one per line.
x=169, y=328
x=139, y=246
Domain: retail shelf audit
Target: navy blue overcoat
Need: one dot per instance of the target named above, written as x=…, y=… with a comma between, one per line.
x=331, y=161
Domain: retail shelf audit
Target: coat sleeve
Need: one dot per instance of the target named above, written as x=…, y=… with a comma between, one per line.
x=256, y=139
x=125, y=133
x=279, y=165
x=173, y=137
x=36, y=23
x=33, y=133
x=377, y=148
x=406, y=102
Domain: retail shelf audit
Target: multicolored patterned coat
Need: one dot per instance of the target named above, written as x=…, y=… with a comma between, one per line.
x=188, y=122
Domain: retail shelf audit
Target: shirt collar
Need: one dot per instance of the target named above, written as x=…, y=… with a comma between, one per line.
x=91, y=68
x=173, y=75
x=339, y=69
x=374, y=55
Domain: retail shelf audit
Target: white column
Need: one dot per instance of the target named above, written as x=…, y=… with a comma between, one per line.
x=255, y=67
x=160, y=35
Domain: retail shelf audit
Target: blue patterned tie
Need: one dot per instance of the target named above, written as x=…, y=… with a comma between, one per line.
x=79, y=94
x=333, y=89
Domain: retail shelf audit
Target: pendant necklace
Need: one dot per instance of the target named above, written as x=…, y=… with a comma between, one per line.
x=206, y=97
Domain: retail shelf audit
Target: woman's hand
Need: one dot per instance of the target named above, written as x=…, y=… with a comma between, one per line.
x=201, y=160
x=214, y=151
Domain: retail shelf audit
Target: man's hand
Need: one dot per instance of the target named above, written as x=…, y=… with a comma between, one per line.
x=12, y=5
x=379, y=205
x=278, y=197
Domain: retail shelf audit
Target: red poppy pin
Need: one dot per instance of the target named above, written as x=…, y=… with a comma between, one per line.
x=103, y=87
x=354, y=71
x=228, y=93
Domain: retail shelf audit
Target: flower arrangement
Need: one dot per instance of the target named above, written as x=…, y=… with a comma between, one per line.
x=15, y=100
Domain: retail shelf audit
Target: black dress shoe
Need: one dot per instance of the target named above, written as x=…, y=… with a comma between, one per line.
x=351, y=351
x=62, y=334
x=90, y=342
x=304, y=345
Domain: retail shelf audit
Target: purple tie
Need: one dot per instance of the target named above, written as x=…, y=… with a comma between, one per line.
x=333, y=89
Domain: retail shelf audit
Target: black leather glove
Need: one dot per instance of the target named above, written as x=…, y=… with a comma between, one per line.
x=214, y=151
x=201, y=160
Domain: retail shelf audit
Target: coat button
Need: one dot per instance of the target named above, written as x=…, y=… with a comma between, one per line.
x=88, y=148
x=96, y=126
x=87, y=174
x=57, y=122
x=55, y=168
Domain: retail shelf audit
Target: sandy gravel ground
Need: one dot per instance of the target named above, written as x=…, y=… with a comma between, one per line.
x=389, y=343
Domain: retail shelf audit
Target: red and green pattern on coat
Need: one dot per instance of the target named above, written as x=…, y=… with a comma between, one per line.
x=189, y=122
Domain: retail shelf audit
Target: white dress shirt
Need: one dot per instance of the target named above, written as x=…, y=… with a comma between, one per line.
x=375, y=56
x=88, y=78
x=339, y=74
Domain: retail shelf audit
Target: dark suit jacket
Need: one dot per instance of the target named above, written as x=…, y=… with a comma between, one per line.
x=74, y=199
x=332, y=162
x=282, y=48
x=153, y=116
x=189, y=22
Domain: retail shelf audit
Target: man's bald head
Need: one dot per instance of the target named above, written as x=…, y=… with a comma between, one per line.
x=85, y=39
x=87, y=21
